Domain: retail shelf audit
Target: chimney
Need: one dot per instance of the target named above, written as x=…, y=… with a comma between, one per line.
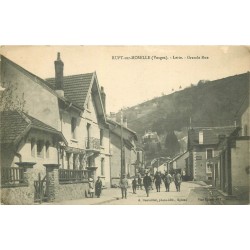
x=103, y=97
x=125, y=122
x=201, y=137
x=59, y=75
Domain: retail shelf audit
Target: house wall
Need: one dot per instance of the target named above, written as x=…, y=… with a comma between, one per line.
x=115, y=155
x=39, y=101
x=245, y=122
x=200, y=163
x=240, y=157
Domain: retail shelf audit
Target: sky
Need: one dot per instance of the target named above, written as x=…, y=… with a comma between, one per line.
x=133, y=74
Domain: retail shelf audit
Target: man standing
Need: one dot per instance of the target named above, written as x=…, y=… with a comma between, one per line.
x=177, y=181
x=124, y=186
x=134, y=184
x=157, y=179
x=98, y=187
x=139, y=182
x=147, y=182
x=167, y=181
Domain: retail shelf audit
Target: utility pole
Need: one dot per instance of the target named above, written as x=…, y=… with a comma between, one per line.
x=121, y=143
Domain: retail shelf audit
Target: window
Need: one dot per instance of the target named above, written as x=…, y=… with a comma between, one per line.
x=47, y=149
x=39, y=148
x=209, y=168
x=200, y=137
x=73, y=127
x=209, y=153
x=33, y=149
x=101, y=137
x=102, y=167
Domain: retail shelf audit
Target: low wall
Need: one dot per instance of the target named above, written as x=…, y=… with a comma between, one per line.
x=71, y=191
x=17, y=195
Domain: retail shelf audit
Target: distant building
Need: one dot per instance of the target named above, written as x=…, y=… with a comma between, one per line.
x=151, y=142
x=180, y=163
x=203, y=147
x=125, y=161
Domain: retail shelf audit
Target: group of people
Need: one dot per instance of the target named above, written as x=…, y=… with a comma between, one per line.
x=95, y=188
x=147, y=183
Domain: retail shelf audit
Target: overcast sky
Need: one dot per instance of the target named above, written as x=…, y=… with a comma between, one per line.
x=128, y=82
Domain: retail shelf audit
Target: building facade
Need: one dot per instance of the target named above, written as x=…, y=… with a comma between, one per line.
x=72, y=106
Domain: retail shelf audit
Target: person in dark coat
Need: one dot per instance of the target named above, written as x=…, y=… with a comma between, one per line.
x=134, y=184
x=98, y=187
x=167, y=181
x=157, y=180
x=139, y=182
x=147, y=182
x=178, y=180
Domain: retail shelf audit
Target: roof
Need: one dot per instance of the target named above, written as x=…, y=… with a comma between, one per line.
x=38, y=80
x=109, y=121
x=76, y=87
x=15, y=124
x=210, y=135
x=179, y=156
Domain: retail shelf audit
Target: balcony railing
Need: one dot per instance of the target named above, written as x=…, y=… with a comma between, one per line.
x=71, y=176
x=92, y=143
x=12, y=176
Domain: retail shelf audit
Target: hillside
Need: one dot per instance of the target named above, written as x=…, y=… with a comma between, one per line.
x=210, y=103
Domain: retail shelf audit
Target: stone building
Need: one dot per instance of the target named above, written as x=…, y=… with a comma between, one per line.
x=203, y=147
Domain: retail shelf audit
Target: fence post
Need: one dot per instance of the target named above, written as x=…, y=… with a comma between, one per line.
x=27, y=167
x=28, y=178
x=52, y=180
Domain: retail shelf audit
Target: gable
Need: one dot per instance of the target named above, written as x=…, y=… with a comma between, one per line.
x=76, y=87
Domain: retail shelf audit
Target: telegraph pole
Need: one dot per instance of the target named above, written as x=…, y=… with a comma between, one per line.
x=121, y=143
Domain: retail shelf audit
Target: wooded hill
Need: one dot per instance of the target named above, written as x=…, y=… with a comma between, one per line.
x=208, y=103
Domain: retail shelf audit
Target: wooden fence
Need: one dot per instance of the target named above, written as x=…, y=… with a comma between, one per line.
x=12, y=176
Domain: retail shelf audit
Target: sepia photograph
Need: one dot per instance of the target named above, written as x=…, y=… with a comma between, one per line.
x=124, y=125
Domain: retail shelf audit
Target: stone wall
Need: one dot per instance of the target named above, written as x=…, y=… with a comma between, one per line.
x=71, y=191
x=17, y=196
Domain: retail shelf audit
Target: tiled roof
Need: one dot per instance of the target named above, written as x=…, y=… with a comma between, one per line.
x=210, y=135
x=126, y=128
x=14, y=124
x=35, y=78
x=76, y=87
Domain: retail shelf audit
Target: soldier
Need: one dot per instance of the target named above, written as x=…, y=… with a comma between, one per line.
x=98, y=187
x=134, y=184
x=167, y=181
x=178, y=180
x=157, y=179
x=124, y=186
x=147, y=182
x=139, y=182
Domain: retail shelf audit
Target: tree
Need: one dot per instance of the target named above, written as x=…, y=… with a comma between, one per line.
x=10, y=102
x=171, y=144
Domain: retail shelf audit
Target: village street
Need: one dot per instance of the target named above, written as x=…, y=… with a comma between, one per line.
x=191, y=194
